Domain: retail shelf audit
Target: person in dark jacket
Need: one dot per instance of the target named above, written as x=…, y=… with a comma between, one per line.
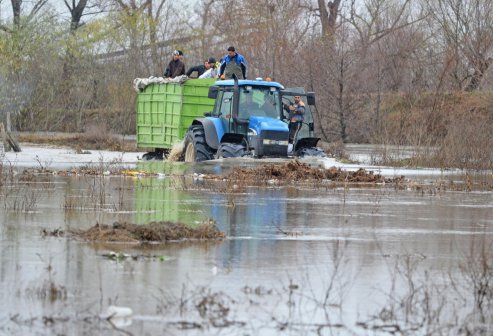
x=175, y=67
x=296, y=116
x=233, y=63
x=201, y=68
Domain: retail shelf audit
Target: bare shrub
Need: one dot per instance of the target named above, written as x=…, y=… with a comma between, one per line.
x=2, y=171
x=477, y=284
x=468, y=142
x=416, y=303
x=21, y=198
x=451, y=130
x=98, y=136
x=48, y=289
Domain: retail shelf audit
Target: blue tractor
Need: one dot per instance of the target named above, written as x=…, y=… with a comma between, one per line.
x=248, y=119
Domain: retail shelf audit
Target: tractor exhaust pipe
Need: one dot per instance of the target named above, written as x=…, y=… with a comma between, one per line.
x=236, y=103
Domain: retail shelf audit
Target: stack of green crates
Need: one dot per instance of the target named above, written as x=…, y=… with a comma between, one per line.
x=165, y=111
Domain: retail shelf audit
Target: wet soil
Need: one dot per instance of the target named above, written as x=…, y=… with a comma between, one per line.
x=152, y=232
x=296, y=171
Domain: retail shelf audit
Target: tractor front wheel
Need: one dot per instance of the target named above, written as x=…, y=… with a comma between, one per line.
x=230, y=150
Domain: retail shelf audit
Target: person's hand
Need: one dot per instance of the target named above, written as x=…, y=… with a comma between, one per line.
x=292, y=108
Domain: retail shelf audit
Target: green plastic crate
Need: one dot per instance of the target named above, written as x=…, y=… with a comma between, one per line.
x=165, y=111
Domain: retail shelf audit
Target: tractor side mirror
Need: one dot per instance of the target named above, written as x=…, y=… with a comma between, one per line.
x=207, y=114
x=310, y=98
x=213, y=90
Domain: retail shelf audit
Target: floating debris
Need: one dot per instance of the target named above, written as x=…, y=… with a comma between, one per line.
x=53, y=233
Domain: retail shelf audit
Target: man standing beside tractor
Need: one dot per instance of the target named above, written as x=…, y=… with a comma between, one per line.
x=296, y=112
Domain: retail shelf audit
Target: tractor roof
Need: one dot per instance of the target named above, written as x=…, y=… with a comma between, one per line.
x=243, y=82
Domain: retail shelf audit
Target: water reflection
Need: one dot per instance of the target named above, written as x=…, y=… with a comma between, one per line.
x=165, y=200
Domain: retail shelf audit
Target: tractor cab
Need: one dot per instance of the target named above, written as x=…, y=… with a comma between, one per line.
x=253, y=98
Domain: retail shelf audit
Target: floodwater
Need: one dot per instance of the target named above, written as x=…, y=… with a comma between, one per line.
x=297, y=260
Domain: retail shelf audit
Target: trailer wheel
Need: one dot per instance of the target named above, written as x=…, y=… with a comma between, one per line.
x=230, y=150
x=196, y=148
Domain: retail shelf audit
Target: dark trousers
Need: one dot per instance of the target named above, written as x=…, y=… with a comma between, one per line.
x=294, y=128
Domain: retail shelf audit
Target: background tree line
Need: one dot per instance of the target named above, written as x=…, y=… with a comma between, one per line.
x=395, y=72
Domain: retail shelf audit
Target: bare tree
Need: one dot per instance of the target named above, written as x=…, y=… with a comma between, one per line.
x=17, y=10
x=206, y=31
x=78, y=9
x=362, y=80
x=269, y=33
x=467, y=35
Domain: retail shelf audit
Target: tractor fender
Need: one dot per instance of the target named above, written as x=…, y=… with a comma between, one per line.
x=306, y=143
x=211, y=130
x=233, y=138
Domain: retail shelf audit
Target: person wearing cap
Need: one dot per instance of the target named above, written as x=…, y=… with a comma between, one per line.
x=212, y=71
x=233, y=63
x=201, y=68
x=175, y=67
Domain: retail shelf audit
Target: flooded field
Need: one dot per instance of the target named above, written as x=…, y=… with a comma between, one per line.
x=325, y=257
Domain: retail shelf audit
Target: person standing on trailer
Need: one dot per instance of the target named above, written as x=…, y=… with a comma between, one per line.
x=233, y=63
x=175, y=67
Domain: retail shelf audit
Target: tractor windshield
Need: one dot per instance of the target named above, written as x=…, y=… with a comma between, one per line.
x=260, y=101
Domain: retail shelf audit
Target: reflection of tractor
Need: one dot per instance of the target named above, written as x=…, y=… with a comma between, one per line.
x=247, y=119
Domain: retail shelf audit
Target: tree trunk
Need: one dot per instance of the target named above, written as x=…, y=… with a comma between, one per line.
x=328, y=18
x=16, y=12
x=76, y=14
x=156, y=66
x=479, y=70
x=340, y=103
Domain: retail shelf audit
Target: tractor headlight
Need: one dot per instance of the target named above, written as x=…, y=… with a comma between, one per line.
x=275, y=142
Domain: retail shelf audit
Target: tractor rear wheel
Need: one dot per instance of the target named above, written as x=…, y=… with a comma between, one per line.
x=230, y=150
x=196, y=148
x=310, y=151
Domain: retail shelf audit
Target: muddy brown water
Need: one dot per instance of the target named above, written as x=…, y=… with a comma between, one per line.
x=298, y=259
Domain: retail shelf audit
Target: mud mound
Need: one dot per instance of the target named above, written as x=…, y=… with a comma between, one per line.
x=152, y=232
x=296, y=171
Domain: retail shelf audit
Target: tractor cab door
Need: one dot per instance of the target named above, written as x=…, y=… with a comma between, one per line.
x=223, y=109
x=307, y=129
